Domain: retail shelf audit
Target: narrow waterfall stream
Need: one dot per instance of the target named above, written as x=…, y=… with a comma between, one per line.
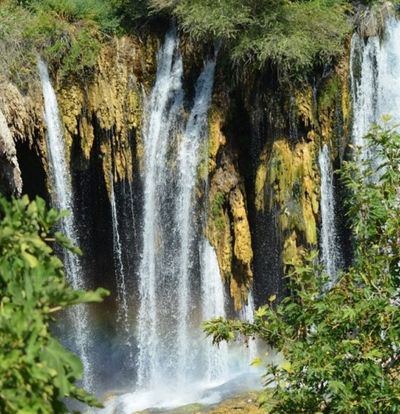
x=213, y=305
x=122, y=291
x=78, y=337
x=247, y=314
x=375, y=81
x=194, y=137
x=330, y=253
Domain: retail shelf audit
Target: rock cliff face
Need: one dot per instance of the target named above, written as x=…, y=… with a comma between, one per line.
x=21, y=131
x=264, y=138
x=10, y=173
x=228, y=226
x=109, y=107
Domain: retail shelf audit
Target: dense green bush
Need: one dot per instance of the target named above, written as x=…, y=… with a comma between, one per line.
x=131, y=11
x=36, y=372
x=67, y=33
x=73, y=11
x=292, y=35
x=341, y=345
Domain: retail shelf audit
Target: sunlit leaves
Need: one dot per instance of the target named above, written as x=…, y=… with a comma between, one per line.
x=341, y=346
x=293, y=35
x=36, y=372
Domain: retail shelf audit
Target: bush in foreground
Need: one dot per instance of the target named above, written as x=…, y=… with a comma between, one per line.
x=341, y=345
x=36, y=372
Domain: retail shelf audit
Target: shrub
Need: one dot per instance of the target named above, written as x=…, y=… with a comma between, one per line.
x=74, y=11
x=67, y=33
x=36, y=372
x=16, y=55
x=269, y=31
x=341, y=347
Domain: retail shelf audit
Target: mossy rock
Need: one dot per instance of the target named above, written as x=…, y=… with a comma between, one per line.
x=247, y=403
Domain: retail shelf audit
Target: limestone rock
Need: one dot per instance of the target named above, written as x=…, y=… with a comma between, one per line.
x=110, y=107
x=228, y=227
x=10, y=174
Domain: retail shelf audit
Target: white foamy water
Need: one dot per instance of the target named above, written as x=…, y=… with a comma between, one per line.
x=194, y=136
x=157, y=344
x=177, y=364
x=213, y=305
x=330, y=252
x=168, y=347
x=62, y=199
x=247, y=314
x=375, y=80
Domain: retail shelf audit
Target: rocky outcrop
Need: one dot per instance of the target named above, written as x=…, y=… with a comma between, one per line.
x=21, y=124
x=287, y=182
x=10, y=174
x=291, y=182
x=370, y=19
x=110, y=107
x=228, y=226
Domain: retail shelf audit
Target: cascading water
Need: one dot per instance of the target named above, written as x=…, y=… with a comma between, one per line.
x=167, y=347
x=179, y=279
x=375, y=80
x=188, y=159
x=122, y=293
x=63, y=200
x=247, y=314
x=158, y=280
x=329, y=239
x=213, y=305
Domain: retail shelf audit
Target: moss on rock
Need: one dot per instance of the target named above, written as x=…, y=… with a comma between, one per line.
x=228, y=228
x=113, y=103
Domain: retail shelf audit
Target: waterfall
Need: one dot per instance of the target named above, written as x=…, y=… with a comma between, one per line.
x=194, y=136
x=330, y=253
x=213, y=305
x=156, y=278
x=63, y=200
x=247, y=314
x=122, y=293
x=375, y=81
x=167, y=345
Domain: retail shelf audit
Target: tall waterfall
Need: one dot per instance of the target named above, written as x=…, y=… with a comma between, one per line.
x=329, y=238
x=63, y=200
x=158, y=282
x=194, y=137
x=168, y=348
x=375, y=79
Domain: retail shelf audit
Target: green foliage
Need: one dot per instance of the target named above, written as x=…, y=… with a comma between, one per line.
x=15, y=54
x=292, y=35
x=74, y=11
x=217, y=210
x=67, y=33
x=36, y=372
x=131, y=10
x=341, y=345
